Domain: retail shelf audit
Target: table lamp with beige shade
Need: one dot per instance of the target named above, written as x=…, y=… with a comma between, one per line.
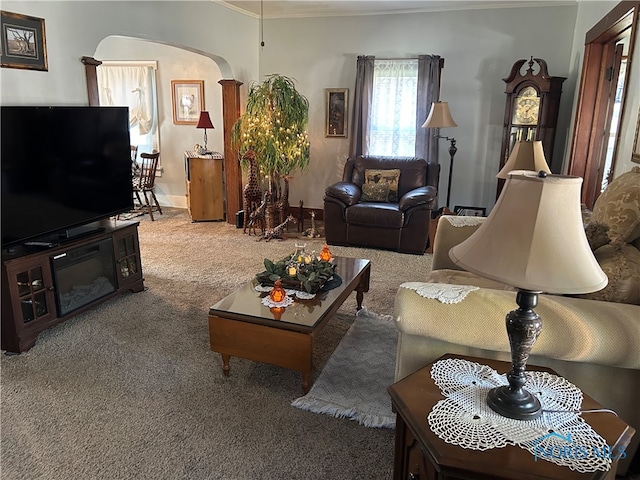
x=534, y=240
x=526, y=155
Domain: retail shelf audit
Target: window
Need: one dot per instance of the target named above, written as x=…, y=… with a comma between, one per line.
x=133, y=85
x=392, y=127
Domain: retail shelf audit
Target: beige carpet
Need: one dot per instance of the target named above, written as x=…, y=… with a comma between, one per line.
x=131, y=389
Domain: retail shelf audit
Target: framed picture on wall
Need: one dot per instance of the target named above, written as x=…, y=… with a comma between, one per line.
x=470, y=211
x=336, y=112
x=23, y=43
x=187, y=97
x=635, y=154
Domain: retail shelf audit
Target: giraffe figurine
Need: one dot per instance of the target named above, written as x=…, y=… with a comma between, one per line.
x=277, y=232
x=282, y=205
x=252, y=194
x=311, y=232
x=257, y=216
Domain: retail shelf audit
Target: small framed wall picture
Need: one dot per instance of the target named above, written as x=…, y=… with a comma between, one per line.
x=23, y=43
x=635, y=154
x=470, y=211
x=187, y=97
x=336, y=112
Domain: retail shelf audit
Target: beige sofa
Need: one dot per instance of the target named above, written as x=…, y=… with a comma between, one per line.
x=593, y=341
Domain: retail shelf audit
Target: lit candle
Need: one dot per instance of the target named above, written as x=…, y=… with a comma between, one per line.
x=307, y=259
x=292, y=271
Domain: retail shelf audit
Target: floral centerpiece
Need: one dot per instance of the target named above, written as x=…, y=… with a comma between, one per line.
x=300, y=272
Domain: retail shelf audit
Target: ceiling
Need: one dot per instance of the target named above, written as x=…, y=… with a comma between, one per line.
x=333, y=8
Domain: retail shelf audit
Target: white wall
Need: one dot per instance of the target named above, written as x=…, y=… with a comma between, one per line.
x=479, y=47
x=630, y=115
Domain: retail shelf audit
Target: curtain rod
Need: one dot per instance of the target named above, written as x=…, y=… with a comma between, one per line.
x=407, y=58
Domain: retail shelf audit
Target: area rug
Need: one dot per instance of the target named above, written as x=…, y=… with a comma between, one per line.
x=354, y=381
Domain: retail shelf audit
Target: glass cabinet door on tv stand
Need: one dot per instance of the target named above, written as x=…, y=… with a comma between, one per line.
x=32, y=290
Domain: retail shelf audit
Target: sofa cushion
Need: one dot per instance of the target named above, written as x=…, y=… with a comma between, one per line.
x=375, y=192
x=621, y=263
x=379, y=215
x=379, y=177
x=619, y=207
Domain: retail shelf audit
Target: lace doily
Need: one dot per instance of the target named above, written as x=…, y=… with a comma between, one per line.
x=270, y=303
x=464, y=220
x=443, y=292
x=289, y=291
x=559, y=435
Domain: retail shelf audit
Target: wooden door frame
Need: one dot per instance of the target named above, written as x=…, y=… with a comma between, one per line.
x=592, y=107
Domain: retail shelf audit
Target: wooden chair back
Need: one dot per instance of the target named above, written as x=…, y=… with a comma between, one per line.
x=148, y=168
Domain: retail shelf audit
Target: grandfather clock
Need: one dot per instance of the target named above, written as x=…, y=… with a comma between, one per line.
x=531, y=112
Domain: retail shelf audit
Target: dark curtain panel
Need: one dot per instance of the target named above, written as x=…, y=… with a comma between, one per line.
x=362, y=98
x=429, y=67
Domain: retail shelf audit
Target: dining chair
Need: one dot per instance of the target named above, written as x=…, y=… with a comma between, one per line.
x=144, y=183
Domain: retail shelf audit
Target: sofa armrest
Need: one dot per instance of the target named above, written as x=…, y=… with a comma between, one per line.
x=448, y=236
x=348, y=193
x=574, y=330
x=418, y=196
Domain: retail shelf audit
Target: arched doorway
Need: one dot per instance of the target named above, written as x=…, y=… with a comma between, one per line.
x=221, y=99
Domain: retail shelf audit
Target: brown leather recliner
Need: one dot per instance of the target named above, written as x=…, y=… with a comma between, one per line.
x=400, y=223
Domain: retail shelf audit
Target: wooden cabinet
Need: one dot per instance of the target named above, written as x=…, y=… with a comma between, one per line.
x=531, y=111
x=205, y=189
x=37, y=283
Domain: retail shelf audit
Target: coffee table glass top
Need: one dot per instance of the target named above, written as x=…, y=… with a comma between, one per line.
x=245, y=303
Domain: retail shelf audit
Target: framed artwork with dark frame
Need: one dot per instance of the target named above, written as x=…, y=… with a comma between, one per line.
x=187, y=98
x=470, y=211
x=635, y=154
x=23, y=43
x=336, y=112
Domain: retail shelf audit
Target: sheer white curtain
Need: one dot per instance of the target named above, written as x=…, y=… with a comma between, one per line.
x=132, y=85
x=392, y=127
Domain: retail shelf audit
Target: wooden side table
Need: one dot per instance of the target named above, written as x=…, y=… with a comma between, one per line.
x=421, y=454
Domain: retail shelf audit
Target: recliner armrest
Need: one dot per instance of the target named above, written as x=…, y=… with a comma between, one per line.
x=348, y=193
x=417, y=196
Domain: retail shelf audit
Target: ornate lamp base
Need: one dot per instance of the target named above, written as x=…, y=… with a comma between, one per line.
x=523, y=327
x=519, y=405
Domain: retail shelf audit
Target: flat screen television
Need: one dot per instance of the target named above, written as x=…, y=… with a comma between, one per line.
x=62, y=168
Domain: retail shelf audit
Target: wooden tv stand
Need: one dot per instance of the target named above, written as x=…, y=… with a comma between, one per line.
x=34, y=283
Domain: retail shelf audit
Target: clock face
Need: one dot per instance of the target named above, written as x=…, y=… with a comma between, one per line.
x=526, y=108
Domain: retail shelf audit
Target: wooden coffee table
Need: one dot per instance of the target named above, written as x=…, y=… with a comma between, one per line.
x=241, y=326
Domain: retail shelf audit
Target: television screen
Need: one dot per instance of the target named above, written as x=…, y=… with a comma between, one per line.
x=62, y=167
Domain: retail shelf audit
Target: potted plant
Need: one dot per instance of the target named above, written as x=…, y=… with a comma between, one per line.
x=271, y=137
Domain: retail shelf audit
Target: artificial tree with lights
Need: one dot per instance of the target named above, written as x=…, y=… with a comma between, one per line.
x=274, y=129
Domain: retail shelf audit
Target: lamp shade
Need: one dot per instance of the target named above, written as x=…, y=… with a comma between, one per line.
x=525, y=156
x=205, y=120
x=439, y=116
x=534, y=238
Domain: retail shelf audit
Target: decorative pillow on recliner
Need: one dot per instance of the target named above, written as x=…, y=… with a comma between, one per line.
x=391, y=177
x=375, y=192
